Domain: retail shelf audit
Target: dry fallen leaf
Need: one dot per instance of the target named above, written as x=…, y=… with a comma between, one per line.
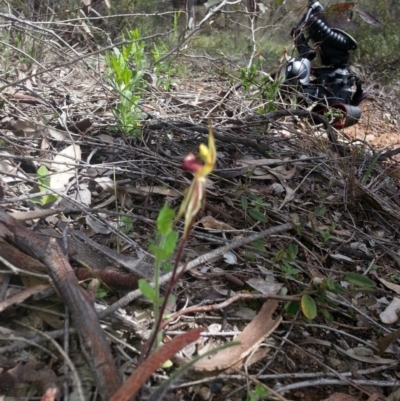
x=230, y=258
x=372, y=359
x=267, y=286
x=62, y=164
x=385, y=341
x=250, y=338
x=212, y=224
x=341, y=397
x=391, y=286
x=391, y=313
x=22, y=296
x=57, y=135
x=154, y=190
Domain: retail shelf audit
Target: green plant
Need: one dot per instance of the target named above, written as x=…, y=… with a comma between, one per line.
x=286, y=259
x=126, y=224
x=253, y=77
x=375, y=45
x=316, y=298
x=164, y=70
x=259, y=393
x=125, y=74
x=44, y=183
x=166, y=237
x=256, y=208
x=325, y=236
x=395, y=277
x=162, y=248
x=126, y=69
x=333, y=115
x=102, y=292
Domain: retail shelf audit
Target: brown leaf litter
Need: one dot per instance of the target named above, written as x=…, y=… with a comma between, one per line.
x=280, y=182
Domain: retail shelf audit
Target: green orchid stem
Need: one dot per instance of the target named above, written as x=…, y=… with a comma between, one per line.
x=174, y=279
x=157, y=287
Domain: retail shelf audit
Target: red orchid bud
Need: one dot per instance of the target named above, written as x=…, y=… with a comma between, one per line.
x=191, y=164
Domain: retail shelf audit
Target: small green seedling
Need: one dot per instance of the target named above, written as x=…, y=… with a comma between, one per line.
x=44, y=179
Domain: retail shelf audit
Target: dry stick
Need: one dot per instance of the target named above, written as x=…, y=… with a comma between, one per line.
x=281, y=376
x=332, y=382
x=21, y=342
x=342, y=379
x=67, y=360
x=93, y=341
x=229, y=301
x=197, y=262
x=256, y=381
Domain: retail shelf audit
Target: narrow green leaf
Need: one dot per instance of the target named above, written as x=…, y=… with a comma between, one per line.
x=42, y=170
x=257, y=215
x=279, y=256
x=370, y=168
x=158, y=252
x=320, y=211
x=292, y=250
x=327, y=315
x=359, y=280
x=329, y=284
x=308, y=307
x=325, y=236
x=167, y=267
x=147, y=290
x=244, y=202
x=250, y=256
x=261, y=391
x=259, y=244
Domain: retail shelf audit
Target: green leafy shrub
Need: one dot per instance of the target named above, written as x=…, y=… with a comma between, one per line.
x=377, y=47
x=125, y=74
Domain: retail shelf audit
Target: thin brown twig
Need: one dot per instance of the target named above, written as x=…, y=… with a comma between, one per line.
x=256, y=381
x=222, y=305
x=217, y=253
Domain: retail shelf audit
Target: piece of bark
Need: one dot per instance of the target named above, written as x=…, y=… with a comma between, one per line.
x=20, y=259
x=92, y=338
x=21, y=296
x=111, y=277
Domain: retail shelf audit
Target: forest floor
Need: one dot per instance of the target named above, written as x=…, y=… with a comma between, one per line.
x=311, y=275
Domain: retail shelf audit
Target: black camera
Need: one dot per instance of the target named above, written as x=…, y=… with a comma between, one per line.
x=331, y=86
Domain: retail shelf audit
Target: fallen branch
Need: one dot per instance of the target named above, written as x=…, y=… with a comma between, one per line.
x=197, y=262
x=92, y=338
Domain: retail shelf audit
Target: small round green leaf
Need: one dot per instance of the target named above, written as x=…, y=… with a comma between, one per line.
x=308, y=307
